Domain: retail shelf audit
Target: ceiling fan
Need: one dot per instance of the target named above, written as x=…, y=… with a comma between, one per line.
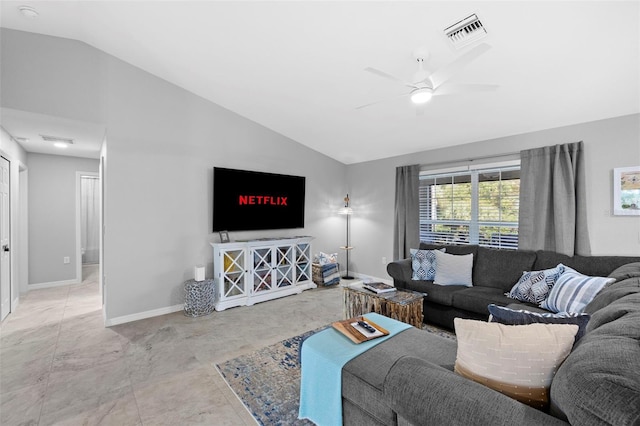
x=425, y=86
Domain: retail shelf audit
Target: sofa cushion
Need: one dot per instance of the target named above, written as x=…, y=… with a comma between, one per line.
x=627, y=304
x=509, y=316
x=599, y=383
x=362, y=384
x=534, y=286
x=629, y=270
x=424, y=394
x=612, y=293
x=477, y=299
x=600, y=266
x=573, y=292
x=516, y=360
x=501, y=268
x=453, y=269
x=441, y=294
x=463, y=249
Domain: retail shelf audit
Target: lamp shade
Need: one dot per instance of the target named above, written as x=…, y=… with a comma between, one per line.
x=345, y=210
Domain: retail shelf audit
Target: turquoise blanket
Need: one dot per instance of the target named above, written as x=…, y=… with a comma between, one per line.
x=323, y=356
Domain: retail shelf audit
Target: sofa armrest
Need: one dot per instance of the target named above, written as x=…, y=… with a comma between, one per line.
x=425, y=393
x=400, y=271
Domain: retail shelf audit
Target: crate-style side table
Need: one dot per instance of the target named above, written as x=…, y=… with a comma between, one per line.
x=401, y=305
x=198, y=298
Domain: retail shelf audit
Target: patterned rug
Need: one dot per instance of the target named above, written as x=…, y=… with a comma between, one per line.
x=267, y=381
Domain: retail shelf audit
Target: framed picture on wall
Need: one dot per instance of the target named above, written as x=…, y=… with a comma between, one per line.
x=626, y=191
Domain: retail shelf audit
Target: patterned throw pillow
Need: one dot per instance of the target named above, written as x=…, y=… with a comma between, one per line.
x=534, y=286
x=325, y=258
x=523, y=317
x=454, y=269
x=423, y=264
x=516, y=360
x=573, y=292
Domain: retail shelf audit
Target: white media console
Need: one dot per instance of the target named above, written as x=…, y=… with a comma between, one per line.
x=254, y=271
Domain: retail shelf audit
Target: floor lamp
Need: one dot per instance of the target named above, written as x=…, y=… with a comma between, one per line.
x=347, y=211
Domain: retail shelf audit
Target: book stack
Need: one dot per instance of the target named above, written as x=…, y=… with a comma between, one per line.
x=379, y=287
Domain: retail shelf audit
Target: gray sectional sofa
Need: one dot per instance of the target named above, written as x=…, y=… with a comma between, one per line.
x=409, y=379
x=494, y=273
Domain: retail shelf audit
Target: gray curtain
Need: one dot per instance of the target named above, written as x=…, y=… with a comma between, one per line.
x=406, y=233
x=553, y=212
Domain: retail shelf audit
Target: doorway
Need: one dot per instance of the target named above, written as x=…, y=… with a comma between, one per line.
x=5, y=258
x=89, y=226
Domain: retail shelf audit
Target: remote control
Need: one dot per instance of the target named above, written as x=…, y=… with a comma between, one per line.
x=366, y=326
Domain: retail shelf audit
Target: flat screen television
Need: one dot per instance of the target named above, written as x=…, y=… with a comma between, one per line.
x=246, y=200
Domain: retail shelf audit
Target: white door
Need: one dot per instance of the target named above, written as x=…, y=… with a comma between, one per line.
x=5, y=258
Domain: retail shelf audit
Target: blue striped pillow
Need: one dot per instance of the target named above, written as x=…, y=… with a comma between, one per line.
x=573, y=291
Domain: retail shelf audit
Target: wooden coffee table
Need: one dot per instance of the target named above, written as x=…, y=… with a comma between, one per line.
x=401, y=305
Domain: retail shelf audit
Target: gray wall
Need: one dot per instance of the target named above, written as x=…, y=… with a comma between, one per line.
x=162, y=145
x=608, y=143
x=52, y=215
x=160, y=184
x=17, y=157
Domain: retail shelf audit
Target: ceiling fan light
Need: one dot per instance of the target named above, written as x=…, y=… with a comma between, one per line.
x=61, y=145
x=421, y=96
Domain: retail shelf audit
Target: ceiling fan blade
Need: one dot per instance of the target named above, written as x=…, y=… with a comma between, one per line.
x=446, y=72
x=382, y=100
x=452, y=89
x=388, y=76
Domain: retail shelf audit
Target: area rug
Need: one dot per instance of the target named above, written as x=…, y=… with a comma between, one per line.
x=267, y=381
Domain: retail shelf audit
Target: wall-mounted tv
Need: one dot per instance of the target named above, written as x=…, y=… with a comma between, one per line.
x=246, y=200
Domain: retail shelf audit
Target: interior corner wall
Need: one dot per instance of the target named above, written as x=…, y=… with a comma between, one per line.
x=609, y=144
x=163, y=145
x=52, y=216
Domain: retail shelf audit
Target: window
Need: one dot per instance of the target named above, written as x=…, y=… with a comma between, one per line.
x=471, y=207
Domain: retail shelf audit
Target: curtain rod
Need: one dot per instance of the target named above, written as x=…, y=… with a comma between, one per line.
x=470, y=160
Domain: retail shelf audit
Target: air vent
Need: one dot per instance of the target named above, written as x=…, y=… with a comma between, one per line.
x=466, y=31
x=57, y=139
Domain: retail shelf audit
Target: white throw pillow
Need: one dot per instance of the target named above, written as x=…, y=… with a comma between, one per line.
x=454, y=269
x=517, y=360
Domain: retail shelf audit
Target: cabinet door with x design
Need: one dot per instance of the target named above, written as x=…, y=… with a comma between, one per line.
x=250, y=272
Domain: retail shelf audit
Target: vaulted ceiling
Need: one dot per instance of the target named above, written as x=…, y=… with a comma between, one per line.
x=297, y=67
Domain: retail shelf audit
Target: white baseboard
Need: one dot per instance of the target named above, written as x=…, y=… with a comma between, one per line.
x=143, y=315
x=52, y=284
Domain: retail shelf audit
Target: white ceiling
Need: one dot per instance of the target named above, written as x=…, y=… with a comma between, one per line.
x=297, y=66
x=28, y=129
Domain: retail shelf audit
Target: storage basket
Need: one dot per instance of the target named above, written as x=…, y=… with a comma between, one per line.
x=328, y=274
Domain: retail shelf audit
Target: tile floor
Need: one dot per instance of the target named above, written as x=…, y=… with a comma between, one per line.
x=59, y=365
